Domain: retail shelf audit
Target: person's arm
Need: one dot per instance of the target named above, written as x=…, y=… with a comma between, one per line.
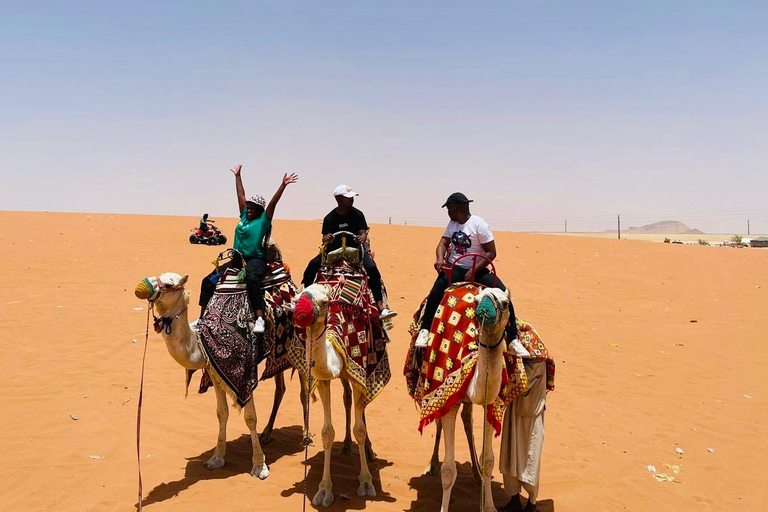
x=478, y=263
x=239, y=187
x=362, y=234
x=287, y=180
x=440, y=252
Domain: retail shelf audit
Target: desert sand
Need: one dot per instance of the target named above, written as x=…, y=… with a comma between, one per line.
x=658, y=346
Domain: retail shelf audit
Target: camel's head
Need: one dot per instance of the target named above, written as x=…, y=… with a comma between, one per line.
x=492, y=308
x=153, y=288
x=312, y=305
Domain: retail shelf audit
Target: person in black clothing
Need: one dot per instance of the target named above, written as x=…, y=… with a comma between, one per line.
x=345, y=217
x=204, y=224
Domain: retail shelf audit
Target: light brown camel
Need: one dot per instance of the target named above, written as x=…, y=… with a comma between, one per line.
x=170, y=301
x=492, y=312
x=329, y=364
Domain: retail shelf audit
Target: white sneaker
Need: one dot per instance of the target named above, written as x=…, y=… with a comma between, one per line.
x=259, y=326
x=422, y=341
x=518, y=348
x=387, y=313
x=193, y=325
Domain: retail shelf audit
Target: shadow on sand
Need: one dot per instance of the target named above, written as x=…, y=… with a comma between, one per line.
x=464, y=496
x=345, y=470
x=285, y=441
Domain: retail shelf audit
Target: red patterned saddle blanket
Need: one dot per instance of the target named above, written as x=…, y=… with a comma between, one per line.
x=437, y=377
x=355, y=328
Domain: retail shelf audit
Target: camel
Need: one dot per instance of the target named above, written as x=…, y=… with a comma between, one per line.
x=171, y=300
x=480, y=384
x=329, y=364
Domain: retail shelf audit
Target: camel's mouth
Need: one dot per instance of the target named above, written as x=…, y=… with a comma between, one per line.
x=145, y=290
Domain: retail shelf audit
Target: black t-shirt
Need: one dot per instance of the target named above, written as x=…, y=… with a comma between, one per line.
x=353, y=221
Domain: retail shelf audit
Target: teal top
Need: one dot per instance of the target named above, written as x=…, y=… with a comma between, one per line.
x=251, y=235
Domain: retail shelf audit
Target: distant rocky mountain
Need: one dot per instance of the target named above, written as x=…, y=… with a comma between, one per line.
x=671, y=227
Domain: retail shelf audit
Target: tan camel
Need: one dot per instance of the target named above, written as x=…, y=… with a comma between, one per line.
x=327, y=365
x=171, y=302
x=483, y=388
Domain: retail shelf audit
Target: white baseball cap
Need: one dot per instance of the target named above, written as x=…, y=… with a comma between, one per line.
x=344, y=190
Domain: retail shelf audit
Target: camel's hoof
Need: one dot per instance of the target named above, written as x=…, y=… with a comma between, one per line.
x=346, y=449
x=260, y=470
x=265, y=437
x=366, y=489
x=323, y=498
x=214, y=463
x=433, y=469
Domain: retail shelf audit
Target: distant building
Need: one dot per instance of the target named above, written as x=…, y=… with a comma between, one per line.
x=759, y=242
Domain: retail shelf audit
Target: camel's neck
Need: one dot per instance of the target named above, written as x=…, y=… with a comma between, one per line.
x=489, y=366
x=182, y=342
x=327, y=362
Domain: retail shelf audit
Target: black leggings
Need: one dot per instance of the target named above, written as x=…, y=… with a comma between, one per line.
x=482, y=276
x=374, y=276
x=255, y=270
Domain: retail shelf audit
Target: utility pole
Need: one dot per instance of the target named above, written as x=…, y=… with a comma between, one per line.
x=747, y=226
x=566, y=225
x=390, y=220
x=619, y=227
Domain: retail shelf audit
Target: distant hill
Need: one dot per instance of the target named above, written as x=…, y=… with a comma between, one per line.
x=671, y=227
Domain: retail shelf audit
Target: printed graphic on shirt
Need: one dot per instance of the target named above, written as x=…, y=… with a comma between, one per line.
x=461, y=242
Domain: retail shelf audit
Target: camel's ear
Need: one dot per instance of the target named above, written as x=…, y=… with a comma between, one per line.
x=183, y=280
x=477, y=298
x=507, y=292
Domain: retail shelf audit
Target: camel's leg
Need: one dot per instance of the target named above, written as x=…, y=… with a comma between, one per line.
x=434, y=463
x=488, y=469
x=222, y=413
x=346, y=446
x=466, y=419
x=366, y=482
x=369, y=453
x=324, y=495
x=448, y=470
x=303, y=396
x=260, y=468
x=266, y=435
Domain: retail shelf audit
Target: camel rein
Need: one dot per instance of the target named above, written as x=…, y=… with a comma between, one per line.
x=150, y=311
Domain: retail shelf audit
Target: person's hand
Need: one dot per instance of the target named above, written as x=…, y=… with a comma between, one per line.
x=236, y=169
x=288, y=179
x=470, y=275
x=439, y=266
x=360, y=239
x=327, y=238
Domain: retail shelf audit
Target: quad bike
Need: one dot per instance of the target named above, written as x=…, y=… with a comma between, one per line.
x=211, y=237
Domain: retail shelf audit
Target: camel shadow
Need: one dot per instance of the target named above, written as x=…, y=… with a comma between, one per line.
x=464, y=496
x=345, y=470
x=285, y=441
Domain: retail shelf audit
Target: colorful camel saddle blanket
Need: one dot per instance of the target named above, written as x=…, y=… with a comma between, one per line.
x=437, y=377
x=232, y=349
x=355, y=329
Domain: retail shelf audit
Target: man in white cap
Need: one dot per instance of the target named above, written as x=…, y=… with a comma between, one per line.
x=345, y=217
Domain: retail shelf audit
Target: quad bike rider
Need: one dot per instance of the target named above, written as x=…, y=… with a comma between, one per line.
x=207, y=233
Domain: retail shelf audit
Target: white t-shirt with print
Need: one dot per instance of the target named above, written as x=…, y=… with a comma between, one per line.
x=467, y=239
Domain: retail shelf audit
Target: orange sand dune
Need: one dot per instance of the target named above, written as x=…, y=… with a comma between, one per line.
x=637, y=377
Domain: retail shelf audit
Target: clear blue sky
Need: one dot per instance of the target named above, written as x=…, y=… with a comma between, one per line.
x=539, y=110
